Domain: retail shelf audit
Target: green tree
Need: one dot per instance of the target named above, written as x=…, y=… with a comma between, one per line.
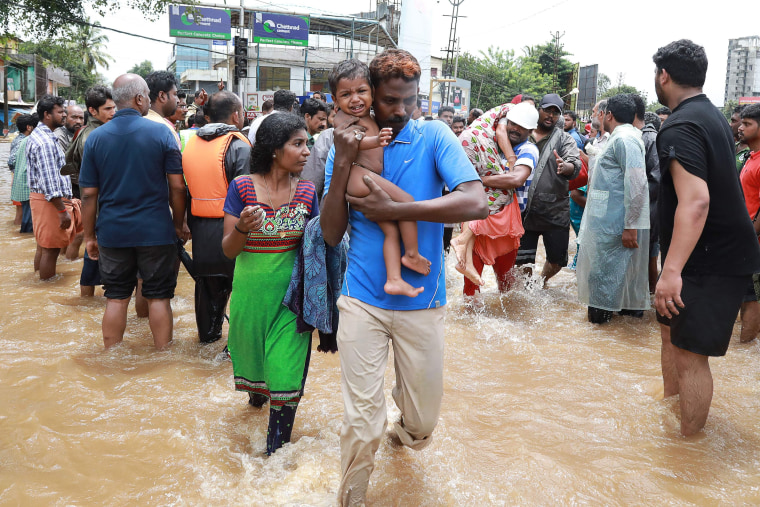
x=48, y=18
x=549, y=57
x=497, y=76
x=622, y=88
x=603, y=84
x=142, y=69
x=728, y=108
x=90, y=42
x=64, y=54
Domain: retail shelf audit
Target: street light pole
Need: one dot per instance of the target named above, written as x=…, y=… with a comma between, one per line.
x=430, y=97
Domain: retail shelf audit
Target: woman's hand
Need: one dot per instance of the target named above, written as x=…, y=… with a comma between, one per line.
x=251, y=218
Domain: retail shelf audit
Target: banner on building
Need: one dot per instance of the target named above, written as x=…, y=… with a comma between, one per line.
x=280, y=29
x=199, y=22
x=749, y=100
x=457, y=99
x=425, y=106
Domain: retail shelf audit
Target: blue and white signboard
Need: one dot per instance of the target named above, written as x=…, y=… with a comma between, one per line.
x=280, y=29
x=199, y=22
x=424, y=106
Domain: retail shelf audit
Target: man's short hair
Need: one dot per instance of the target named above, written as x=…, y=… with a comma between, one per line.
x=199, y=118
x=571, y=114
x=641, y=106
x=26, y=120
x=313, y=106
x=601, y=106
x=738, y=110
x=348, y=69
x=622, y=107
x=685, y=61
x=751, y=112
x=446, y=109
x=47, y=103
x=652, y=119
x=663, y=110
x=221, y=105
x=458, y=119
x=526, y=97
x=477, y=113
x=160, y=81
x=394, y=63
x=182, y=95
x=97, y=96
x=283, y=100
x=267, y=106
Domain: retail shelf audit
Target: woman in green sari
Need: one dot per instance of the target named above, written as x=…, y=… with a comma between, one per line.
x=264, y=220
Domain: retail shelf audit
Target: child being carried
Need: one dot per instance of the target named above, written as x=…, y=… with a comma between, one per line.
x=352, y=90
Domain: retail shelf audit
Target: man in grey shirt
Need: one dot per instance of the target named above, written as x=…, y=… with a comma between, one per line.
x=314, y=170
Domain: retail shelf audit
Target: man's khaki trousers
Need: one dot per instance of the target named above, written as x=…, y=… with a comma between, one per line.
x=364, y=334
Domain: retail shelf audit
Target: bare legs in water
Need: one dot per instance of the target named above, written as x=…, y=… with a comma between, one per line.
x=463, y=246
x=688, y=375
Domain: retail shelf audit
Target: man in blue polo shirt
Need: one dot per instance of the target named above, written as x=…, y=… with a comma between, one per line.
x=421, y=158
x=131, y=174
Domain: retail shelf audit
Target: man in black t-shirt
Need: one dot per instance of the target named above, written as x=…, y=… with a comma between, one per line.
x=709, y=248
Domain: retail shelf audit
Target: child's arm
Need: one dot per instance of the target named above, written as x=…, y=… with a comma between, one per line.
x=379, y=141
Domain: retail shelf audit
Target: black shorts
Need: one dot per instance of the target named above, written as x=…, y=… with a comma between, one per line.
x=119, y=268
x=705, y=324
x=750, y=295
x=555, y=243
x=90, y=272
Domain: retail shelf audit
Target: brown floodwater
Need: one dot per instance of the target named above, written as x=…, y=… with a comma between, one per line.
x=540, y=408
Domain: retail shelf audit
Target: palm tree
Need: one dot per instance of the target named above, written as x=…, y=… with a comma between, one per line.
x=90, y=43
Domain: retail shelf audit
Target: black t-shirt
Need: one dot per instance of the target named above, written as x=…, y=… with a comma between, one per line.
x=699, y=138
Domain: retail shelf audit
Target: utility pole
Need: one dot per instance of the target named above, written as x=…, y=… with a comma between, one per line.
x=620, y=78
x=557, y=56
x=6, y=122
x=450, y=49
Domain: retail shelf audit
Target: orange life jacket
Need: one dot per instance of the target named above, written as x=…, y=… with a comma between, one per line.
x=203, y=165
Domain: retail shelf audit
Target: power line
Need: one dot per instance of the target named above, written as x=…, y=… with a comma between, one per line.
x=176, y=44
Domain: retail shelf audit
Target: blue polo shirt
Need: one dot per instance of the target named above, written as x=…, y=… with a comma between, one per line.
x=423, y=157
x=127, y=160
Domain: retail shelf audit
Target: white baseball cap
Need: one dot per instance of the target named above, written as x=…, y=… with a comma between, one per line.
x=523, y=114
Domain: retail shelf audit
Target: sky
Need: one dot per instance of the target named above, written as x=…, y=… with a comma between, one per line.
x=620, y=37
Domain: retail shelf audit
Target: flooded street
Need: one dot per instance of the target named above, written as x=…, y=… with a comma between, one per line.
x=540, y=408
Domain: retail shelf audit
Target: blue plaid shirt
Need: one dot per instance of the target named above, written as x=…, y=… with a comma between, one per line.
x=44, y=160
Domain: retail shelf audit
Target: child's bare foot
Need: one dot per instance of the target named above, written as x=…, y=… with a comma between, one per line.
x=401, y=288
x=460, y=249
x=416, y=262
x=470, y=274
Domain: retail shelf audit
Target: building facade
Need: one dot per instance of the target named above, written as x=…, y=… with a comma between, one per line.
x=743, y=68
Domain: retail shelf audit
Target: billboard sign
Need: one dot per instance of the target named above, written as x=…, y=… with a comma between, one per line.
x=199, y=22
x=280, y=29
x=587, y=77
x=424, y=106
x=749, y=100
